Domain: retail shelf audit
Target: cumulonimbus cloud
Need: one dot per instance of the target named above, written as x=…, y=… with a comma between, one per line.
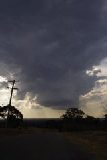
x=53, y=43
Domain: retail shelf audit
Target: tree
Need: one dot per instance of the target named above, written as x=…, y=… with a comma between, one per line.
x=12, y=116
x=105, y=116
x=73, y=113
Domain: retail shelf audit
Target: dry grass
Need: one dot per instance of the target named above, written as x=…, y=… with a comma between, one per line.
x=20, y=131
x=94, y=141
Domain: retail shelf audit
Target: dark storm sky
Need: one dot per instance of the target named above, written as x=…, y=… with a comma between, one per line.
x=54, y=42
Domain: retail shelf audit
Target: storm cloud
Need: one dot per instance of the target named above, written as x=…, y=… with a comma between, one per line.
x=53, y=43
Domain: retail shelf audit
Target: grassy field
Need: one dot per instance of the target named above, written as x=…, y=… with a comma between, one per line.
x=94, y=141
x=21, y=131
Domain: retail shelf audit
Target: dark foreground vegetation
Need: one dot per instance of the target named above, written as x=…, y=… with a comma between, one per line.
x=73, y=120
x=79, y=128
x=93, y=141
x=11, y=117
x=76, y=120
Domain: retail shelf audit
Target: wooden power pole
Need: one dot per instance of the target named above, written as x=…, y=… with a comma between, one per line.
x=12, y=89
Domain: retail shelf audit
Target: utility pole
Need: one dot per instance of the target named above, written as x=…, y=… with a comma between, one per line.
x=12, y=89
x=10, y=100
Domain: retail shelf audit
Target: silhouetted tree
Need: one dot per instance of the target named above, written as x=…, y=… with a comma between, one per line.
x=75, y=119
x=106, y=117
x=12, y=116
x=73, y=113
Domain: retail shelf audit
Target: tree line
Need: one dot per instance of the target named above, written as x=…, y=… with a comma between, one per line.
x=76, y=119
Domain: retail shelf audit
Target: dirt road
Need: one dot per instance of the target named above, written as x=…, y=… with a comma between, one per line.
x=40, y=146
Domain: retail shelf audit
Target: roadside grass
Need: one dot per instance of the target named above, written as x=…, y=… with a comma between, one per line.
x=21, y=131
x=94, y=141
